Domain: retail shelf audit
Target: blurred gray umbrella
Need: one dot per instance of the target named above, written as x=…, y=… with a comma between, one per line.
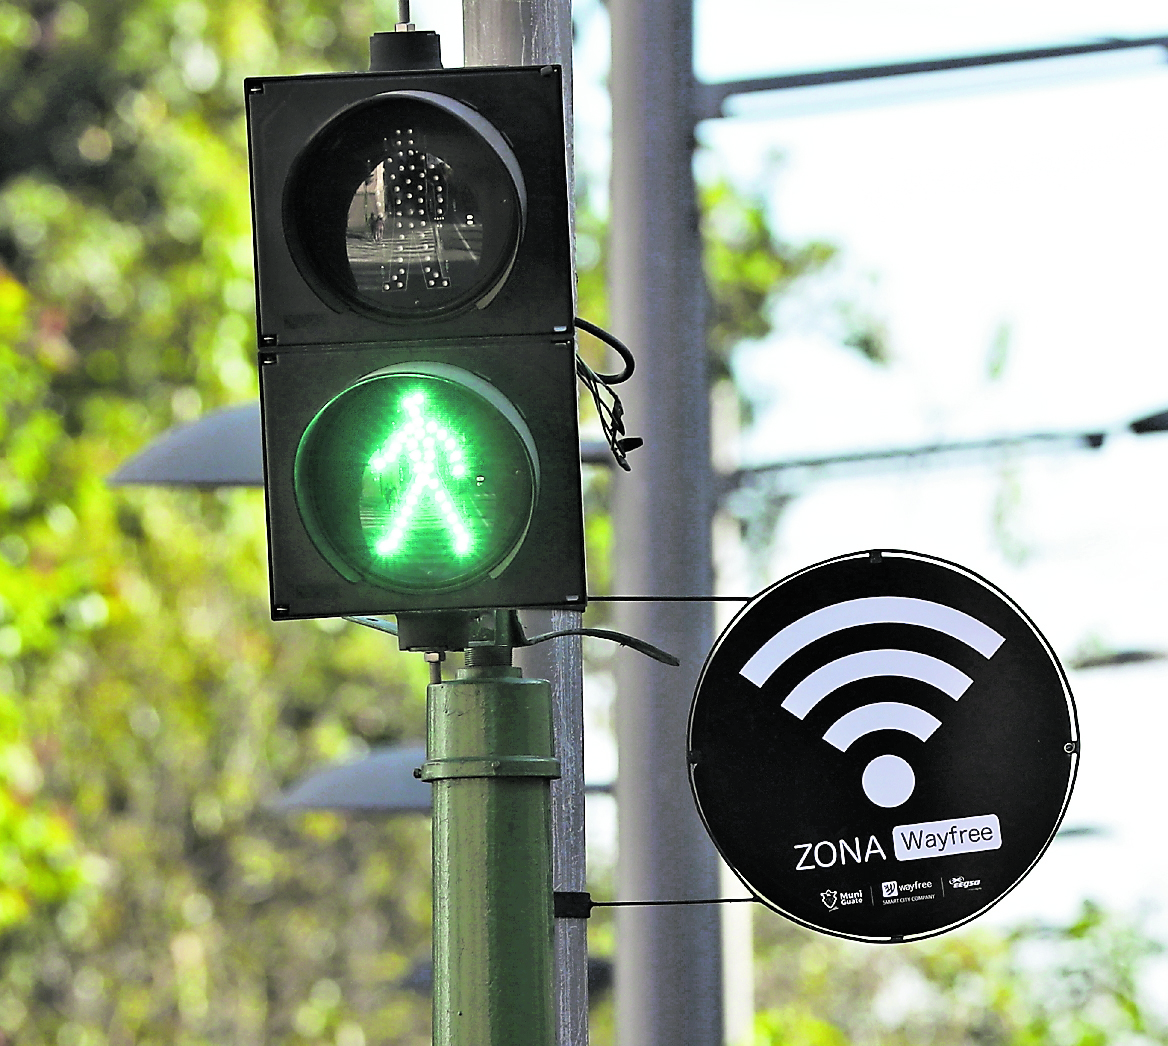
x=224, y=449
x=221, y=449
x=382, y=780
x=1114, y=658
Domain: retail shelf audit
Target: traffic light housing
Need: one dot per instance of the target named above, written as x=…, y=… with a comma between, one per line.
x=417, y=363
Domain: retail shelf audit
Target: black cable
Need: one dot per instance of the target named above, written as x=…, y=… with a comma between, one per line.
x=670, y=599
x=621, y=349
x=612, y=415
x=646, y=904
x=639, y=645
x=579, y=904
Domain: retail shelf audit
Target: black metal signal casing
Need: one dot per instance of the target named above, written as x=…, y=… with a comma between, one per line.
x=286, y=113
x=536, y=376
x=343, y=167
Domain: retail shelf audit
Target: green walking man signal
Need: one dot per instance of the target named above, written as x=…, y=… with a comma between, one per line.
x=432, y=458
x=419, y=478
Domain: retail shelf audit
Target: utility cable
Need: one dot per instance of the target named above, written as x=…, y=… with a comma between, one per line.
x=613, y=342
x=609, y=408
x=579, y=905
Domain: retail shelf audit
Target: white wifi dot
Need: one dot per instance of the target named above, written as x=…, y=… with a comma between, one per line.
x=888, y=781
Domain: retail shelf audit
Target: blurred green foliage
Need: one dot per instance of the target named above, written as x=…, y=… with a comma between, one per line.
x=148, y=707
x=748, y=268
x=1085, y=983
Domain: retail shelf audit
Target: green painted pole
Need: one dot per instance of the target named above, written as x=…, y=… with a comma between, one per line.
x=491, y=758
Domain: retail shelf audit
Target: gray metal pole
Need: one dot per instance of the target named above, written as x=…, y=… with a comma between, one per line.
x=531, y=32
x=560, y=662
x=668, y=972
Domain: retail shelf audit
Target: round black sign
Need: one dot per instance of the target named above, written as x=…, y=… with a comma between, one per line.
x=882, y=745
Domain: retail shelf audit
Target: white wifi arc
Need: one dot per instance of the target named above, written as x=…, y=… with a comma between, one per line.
x=888, y=780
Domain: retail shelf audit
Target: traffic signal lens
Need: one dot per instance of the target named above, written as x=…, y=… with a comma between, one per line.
x=412, y=232
x=409, y=205
x=418, y=477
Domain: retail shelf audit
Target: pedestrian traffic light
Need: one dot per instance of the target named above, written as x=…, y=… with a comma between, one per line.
x=417, y=362
x=420, y=477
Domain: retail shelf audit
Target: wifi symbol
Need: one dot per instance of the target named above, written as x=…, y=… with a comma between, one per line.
x=888, y=780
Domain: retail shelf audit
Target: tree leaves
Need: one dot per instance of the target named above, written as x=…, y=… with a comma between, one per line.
x=148, y=707
x=748, y=267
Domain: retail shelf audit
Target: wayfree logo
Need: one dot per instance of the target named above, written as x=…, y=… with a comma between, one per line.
x=896, y=892
x=961, y=835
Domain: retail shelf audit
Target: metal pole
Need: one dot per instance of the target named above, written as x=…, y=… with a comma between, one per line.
x=490, y=758
x=532, y=32
x=668, y=973
x=560, y=661
x=518, y=32
x=524, y=32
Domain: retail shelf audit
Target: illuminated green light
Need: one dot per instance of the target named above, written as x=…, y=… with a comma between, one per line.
x=426, y=450
x=417, y=477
